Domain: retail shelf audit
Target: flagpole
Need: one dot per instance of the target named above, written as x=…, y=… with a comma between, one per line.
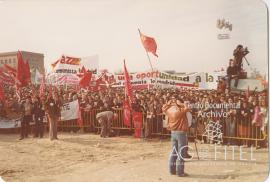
x=149, y=61
x=147, y=53
x=127, y=98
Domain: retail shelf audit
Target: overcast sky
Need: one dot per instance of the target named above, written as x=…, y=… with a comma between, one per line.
x=185, y=31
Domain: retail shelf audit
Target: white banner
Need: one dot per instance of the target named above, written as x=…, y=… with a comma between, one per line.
x=14, y=123
x=165, y=80
x=69, y=67
x=7, y=124
x=67, y=70
x=70, y=111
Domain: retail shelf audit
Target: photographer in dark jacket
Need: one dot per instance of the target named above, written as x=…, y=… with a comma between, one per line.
x=232, y=73
x=239, y=53
x=38, y=113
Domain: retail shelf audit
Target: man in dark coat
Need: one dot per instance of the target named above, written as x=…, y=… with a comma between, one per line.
x=232, y=73
x=52, y=107
x=27, y=111
x=38, y=113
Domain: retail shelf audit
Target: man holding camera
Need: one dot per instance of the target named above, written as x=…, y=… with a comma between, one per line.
x=178, y=124
x=239, y=53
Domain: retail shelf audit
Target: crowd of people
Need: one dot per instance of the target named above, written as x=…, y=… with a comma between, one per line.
x=248, y=119
x=239, y=117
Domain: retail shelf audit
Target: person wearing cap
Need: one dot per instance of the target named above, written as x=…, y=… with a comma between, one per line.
x=178, y=124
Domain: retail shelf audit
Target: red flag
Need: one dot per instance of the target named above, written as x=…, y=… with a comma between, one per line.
x=20, y=67
x=23, y=71
x=128, y=86
x=11, y=70
x=6, y=78
x=82, y=72
x=100, y=83
x=127, y=113
x=2, y=93
x=86, y=79
x=129, y=94
x=149, y=44
x=137, y=118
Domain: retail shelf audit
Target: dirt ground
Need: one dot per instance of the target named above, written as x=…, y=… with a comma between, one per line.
x=87, y=158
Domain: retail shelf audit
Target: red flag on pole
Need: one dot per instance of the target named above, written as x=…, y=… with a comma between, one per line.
x=129, y=94
x=149, y=44
x=6, y=78
x=86, y=79
x=23, y=71
x=20, y=68
x=127, y=113
x=128, y=86
x=2, y=93
x=10, y=70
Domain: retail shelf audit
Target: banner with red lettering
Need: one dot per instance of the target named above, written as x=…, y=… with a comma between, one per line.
x=143, y=80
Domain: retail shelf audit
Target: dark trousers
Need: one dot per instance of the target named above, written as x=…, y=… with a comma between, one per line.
x=148, y=127
x=53, y=127
x=159, y=124
x=39, y=127
x=176, y=159
x=230, y=130
x=230, y=77
x=25, y=126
